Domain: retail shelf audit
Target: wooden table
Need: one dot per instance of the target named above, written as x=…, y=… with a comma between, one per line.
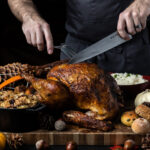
x=82, y=136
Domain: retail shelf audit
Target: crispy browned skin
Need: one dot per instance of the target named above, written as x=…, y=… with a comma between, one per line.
x=53, y=93
x=83, y=120
x=91, y=87
x=85, y=84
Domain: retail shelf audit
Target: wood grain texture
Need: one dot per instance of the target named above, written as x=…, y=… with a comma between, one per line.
x=82, y=136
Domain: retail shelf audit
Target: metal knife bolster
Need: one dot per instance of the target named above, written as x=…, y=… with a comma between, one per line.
x=109, y=42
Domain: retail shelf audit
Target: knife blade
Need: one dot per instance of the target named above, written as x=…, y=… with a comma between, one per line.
x=109, y=42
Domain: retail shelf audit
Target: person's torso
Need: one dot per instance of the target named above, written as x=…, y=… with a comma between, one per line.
x=92, y=20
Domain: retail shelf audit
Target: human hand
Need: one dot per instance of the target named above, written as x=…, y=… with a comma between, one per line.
x=37, y=31
x=133, y=19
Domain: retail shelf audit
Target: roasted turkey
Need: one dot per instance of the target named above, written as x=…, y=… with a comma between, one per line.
x=84, y=85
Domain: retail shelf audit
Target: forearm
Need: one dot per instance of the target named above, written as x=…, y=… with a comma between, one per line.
x=23, y=9
x=35, y=28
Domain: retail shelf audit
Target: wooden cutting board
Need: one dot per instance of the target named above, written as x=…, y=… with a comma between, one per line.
x=82, y=136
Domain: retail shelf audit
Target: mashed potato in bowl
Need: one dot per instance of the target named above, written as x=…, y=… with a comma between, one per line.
x=128, y=78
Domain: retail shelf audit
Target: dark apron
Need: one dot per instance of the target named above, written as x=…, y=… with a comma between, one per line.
x=91, y=20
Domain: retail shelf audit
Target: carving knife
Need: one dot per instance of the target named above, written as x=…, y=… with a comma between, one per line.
x=109, y=42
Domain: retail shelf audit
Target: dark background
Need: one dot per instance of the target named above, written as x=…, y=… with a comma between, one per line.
x=13, y=45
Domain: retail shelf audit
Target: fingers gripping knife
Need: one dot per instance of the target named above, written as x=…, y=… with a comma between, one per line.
x=109, y=42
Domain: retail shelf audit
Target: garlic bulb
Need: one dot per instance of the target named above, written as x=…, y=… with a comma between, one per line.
x=142, y=97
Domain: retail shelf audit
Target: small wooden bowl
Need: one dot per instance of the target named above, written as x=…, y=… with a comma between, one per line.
x=130, y=91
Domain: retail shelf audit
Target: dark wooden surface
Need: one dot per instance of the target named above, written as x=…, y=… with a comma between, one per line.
x=62, y=147
x=82, y=136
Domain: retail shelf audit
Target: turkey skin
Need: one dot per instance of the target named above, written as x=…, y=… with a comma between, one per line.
x=90, y=87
